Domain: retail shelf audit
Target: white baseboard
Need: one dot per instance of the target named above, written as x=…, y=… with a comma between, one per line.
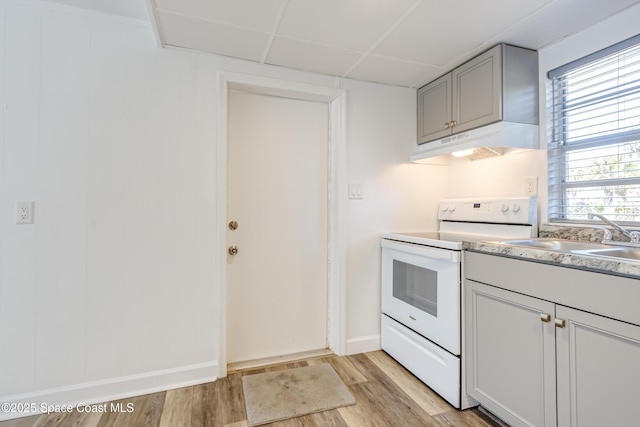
x=107, y=390
x=363, y=344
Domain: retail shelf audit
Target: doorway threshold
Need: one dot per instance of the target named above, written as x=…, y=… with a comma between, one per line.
x=257, y=363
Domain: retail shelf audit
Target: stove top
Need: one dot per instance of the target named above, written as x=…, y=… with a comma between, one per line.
x=472, y=220
x=437, y=239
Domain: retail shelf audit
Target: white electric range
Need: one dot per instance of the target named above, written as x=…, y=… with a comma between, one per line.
x=421, y=286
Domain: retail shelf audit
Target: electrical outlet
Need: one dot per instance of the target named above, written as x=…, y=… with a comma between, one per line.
x=24, y=212
x=531, y=185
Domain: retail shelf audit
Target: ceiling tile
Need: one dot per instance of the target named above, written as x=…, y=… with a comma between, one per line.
x=129, y=8
x=206, y=36
x=564, y=18
x=440, y=34
x=351, y=24
x=259, y=15
x=312, y=57
x=404, y=42
x=387, y=70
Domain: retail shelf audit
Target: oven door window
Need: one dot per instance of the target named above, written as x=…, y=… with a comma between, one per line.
x=416, y=286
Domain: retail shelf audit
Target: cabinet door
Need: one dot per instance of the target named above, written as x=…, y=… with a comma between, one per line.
x=510, y=354
x=434, y=110
x=598, y=370
x=477, y=91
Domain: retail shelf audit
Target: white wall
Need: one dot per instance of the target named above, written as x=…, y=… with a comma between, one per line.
x=398, y=195
x=112, y=291
x=505, y=175
x=495, y=176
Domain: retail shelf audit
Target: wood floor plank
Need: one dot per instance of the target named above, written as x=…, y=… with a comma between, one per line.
x=320, y=419
x=230, y=399
x=382, y=401
x=219, y=403
x=343, y=367
x=252, y=371
x=426, y=398
x=204, y=406
x=21, y=422
x=146, y=411
x=328, y=418
x=177, y=408
x=468, y=418
x=285, y=366
x=71, y=419
x=379, y=408
x=149, y=411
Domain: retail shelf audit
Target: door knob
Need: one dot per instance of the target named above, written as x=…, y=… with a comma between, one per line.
x=233, y=225
x=233, y=250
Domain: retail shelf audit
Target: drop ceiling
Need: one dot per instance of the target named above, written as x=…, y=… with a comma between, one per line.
x=397, y=42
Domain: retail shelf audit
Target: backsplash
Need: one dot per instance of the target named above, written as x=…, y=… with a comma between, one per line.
x=583, y=234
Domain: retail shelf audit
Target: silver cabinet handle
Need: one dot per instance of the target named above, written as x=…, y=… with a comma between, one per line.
x=233, y=250
x=560, y=323
x=545, y=317
x=447, y=125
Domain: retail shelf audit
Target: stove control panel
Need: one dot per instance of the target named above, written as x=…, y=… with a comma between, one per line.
x=504, y=210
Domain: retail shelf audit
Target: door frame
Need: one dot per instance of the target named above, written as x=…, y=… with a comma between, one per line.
x=337, y=195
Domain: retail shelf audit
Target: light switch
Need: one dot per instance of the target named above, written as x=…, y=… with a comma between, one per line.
x=355, y=190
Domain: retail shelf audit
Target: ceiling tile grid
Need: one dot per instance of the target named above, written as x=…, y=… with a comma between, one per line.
x=397, y=42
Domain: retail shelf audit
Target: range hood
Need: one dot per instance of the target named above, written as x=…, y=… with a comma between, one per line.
x=491, y=140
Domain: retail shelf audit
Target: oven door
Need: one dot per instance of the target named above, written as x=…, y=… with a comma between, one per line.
x=421, y=290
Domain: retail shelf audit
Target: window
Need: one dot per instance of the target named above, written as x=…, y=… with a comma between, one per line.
x=594, y=139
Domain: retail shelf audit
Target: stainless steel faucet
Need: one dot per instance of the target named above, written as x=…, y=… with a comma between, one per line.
x=634, y=236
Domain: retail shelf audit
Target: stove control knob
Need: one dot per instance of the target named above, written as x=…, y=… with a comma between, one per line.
x=515, y=207
x=504, y=207
x=445, y=208
x=452, y=208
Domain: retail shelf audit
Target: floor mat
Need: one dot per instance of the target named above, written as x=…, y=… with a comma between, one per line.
x=279, y=395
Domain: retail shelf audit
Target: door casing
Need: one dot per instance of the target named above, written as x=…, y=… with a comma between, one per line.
x=336, y=100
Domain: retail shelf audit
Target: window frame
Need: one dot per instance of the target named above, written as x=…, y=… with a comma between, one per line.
x=558, y=148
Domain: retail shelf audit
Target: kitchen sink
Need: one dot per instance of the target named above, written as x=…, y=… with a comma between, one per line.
x=625, y=252
x=580, y=248
x=557, y=245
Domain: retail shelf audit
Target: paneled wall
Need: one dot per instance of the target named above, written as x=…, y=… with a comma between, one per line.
x=103, y=132
x=112, y=291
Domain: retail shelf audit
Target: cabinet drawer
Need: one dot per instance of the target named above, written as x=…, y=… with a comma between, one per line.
x=433, y=365
x=575, y=288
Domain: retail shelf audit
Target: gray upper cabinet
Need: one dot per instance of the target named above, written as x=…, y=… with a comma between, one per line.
x=499, y=84
x=434, y=109
x=477, y=91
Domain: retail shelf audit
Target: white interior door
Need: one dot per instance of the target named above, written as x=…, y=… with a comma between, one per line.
x=277, y=194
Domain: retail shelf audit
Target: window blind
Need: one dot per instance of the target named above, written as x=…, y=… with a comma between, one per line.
x=594, y=136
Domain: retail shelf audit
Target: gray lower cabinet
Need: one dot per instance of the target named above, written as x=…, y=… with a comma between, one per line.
x=598, y=365
x=533, y=362
x=510, y=355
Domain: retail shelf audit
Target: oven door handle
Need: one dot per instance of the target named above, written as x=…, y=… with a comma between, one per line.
x=420, y=250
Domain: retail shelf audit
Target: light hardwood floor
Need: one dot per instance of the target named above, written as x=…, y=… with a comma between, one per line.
x=386, y=395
